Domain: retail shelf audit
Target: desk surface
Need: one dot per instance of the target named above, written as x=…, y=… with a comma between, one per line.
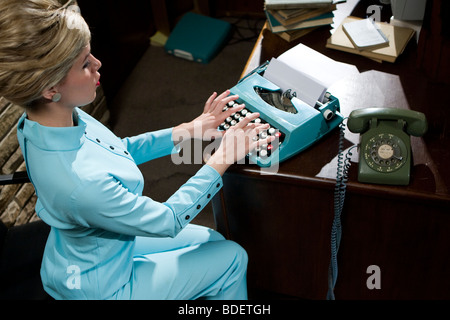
x=399, y=85
x=284, y=220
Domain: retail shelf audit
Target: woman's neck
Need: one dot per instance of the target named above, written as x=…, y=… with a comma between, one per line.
x=51, y=115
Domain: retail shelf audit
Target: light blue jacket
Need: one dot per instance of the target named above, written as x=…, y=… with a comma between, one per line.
x=89, y=191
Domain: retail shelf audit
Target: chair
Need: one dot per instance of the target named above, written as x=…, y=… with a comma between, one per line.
x=21, y=251
x=15, y=178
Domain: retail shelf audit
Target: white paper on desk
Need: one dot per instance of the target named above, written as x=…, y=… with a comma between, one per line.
x=316, y=65
x=307, y=89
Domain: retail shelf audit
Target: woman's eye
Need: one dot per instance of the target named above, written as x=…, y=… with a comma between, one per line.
x=87, y=64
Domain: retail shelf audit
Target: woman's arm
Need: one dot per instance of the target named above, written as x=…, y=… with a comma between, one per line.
x=106, y=204
x=152, y=145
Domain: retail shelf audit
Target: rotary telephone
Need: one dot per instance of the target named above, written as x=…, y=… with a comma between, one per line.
x=385, y=149
x=384, y=158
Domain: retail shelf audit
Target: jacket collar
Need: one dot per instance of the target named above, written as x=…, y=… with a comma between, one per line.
x=51, y=138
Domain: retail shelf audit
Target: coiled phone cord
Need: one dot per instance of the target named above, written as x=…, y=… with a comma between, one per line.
x=343, y=165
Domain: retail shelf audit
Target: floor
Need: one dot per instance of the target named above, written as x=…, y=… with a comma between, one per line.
x=164, y=91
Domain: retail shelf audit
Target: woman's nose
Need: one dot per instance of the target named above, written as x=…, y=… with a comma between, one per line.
x=97, y=63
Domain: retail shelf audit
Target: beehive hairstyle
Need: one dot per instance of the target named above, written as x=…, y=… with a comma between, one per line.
x=39, y=42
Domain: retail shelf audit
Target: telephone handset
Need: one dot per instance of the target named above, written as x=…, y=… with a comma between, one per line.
x=385, y=148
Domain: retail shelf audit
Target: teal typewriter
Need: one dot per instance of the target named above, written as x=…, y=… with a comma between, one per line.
x=295, y=123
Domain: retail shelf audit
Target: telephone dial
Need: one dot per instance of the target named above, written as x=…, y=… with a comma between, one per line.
x=385, y=150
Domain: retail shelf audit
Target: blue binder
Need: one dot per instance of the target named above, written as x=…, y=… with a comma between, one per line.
x=198, y=38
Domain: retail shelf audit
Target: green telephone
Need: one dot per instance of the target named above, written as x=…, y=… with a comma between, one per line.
x=385, y=148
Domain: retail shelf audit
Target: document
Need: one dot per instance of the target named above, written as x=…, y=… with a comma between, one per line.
x=304, y=87
x=365, y=34
x=307, y=72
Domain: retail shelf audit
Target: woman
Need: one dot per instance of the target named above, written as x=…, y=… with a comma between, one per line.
x=107, y=240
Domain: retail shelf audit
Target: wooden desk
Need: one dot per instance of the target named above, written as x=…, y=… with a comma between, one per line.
x=284, y=220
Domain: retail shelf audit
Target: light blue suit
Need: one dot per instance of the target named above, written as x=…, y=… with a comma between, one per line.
x=107, y=240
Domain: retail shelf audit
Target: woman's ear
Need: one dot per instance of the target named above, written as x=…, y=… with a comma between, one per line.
x=49, y=93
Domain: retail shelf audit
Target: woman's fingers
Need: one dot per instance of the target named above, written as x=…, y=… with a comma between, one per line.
x=220, y=102
x=216, y=103
x=209, y=102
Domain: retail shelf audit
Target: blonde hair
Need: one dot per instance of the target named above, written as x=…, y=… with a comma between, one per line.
x=39, y=42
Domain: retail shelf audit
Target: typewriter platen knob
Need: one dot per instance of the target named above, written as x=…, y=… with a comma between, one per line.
x=328, y=114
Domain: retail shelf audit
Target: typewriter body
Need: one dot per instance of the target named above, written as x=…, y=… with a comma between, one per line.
x=295, y=124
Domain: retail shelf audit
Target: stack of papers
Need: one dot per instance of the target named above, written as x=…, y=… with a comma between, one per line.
x=388, y=49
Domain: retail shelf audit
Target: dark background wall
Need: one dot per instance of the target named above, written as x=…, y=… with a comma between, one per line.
x=121, y=30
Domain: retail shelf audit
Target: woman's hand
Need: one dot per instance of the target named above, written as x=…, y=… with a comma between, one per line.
x=237, y=142
x=213, y=115
x=204, y=127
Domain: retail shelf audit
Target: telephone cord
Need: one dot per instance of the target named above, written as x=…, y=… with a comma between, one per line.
x=343, y=166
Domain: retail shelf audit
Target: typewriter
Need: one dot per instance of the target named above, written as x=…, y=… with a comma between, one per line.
x=295, y=124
